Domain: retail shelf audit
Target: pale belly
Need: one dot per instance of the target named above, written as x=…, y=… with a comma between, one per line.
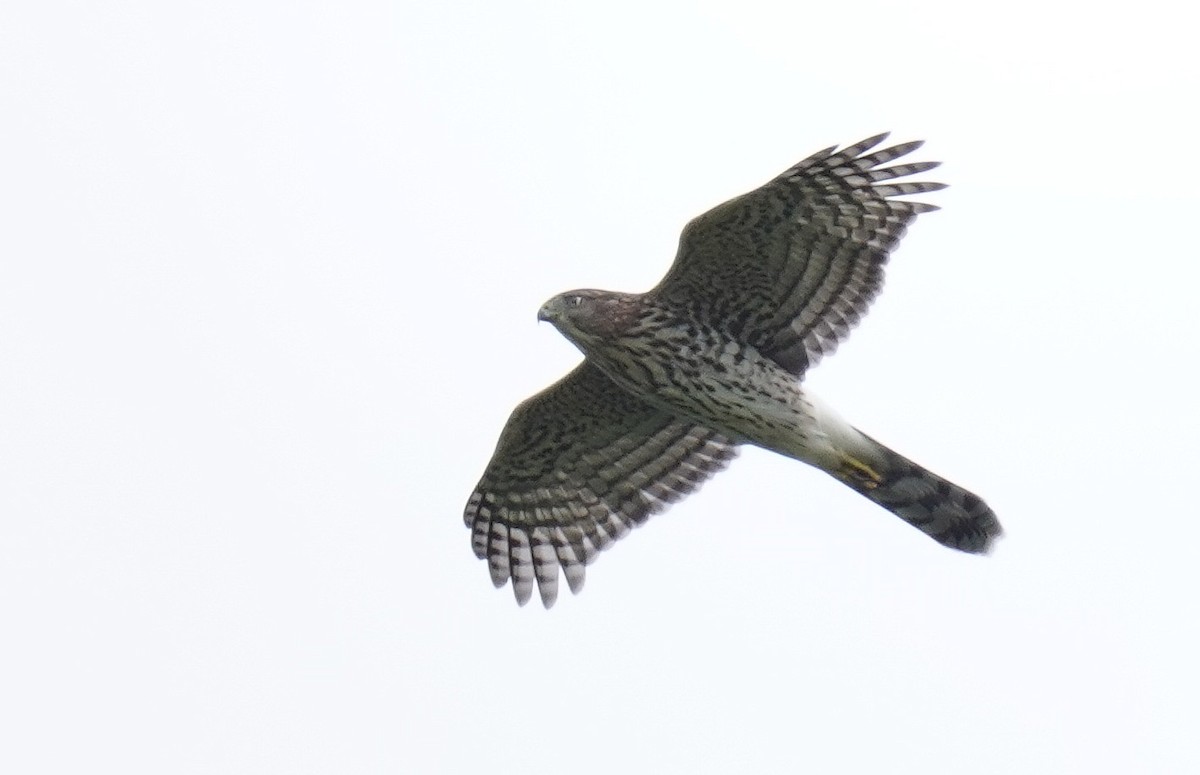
x=739, y=393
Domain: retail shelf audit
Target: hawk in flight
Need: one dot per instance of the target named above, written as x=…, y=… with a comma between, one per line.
x=674, y=380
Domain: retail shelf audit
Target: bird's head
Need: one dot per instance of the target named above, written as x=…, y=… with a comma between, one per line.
x=586, y=317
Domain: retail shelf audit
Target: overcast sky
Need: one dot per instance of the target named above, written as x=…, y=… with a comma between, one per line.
x=268, y=282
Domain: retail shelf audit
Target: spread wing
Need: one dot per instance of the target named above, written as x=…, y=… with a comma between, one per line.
x=576, y=467
x=792, y=266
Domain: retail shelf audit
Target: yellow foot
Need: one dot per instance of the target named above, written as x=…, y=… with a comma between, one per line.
x=857, y=474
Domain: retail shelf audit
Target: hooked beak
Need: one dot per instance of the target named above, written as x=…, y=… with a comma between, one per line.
x=543, y=315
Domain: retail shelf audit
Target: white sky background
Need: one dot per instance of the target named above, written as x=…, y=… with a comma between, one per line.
x=268, y=279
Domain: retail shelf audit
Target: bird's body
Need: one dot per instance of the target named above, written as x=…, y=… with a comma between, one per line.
x=704, y=375
x=676, y=378
x=695, y=371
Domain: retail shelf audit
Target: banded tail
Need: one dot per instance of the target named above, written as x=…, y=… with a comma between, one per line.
x=942, y=510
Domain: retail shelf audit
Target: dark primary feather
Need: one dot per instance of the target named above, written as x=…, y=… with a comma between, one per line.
x=792, y=266
x=577, y=466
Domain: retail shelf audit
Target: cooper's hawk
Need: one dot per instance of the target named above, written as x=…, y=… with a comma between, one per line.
x=675, y=379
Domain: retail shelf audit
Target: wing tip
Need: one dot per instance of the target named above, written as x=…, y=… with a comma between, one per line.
x=872, y=141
